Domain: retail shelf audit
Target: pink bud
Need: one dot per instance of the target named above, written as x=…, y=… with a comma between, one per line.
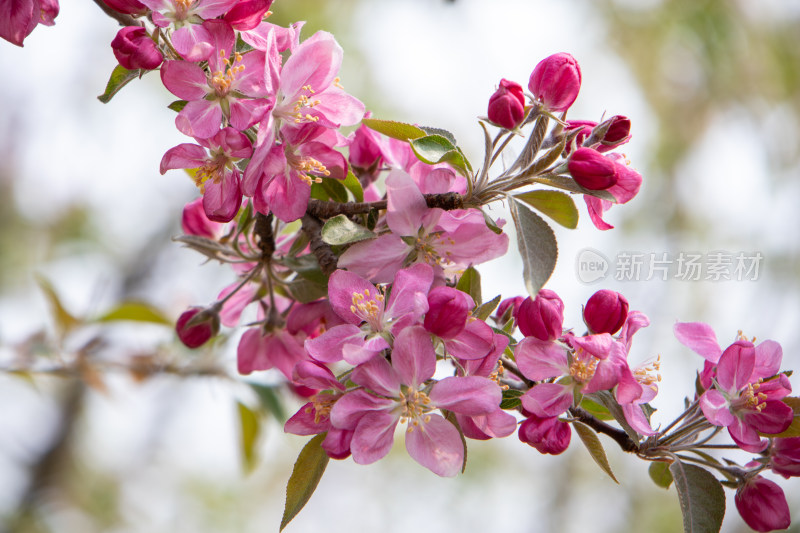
x=617, y=132
x=556, y=81
x=196, y=326
x=548, y=435
x=128, y=7
x=541, y=317
x=134, y=49
x=507, y=105
x=592, y=170
x=503, y=309
x=785, y=456
x=762, y=504
x=364, y=149
x=195, y=222
x=605, y=312
x=448, y=309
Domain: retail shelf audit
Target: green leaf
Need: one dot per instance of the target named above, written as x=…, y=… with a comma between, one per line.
x=329, y=189
x=395, y=130
x=484, y=311
x=568, y=184
x=120, y=77
x=794, y=428
x=250, y=426
x=305, y=291
x=137, y=312
x=342, y=230
x=537, y=245
x=491, y=224
x=270, y=400
x=470, y=282
x=177, y=105
x=511, y=399
x=352, y=184
x=606, y=399
x=434, y=149
x=63, y=319
x=306, y=474
x=595, y=447
x=701, y=497
x=556, y=205
x=595, y=409
x=439, y=131
x=660, y=474
x=307, y=267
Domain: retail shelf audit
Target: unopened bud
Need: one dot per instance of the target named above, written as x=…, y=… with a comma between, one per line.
x=196, y=326
x=134, y=49
x=556, y=81
x=507, y=105
x=592, y=170
x=448, y=309
x=128, y=7
x=541, y=317
x=548, y=435
x=605, y=312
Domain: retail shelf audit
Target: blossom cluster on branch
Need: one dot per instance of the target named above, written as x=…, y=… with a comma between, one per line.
x=357, y=250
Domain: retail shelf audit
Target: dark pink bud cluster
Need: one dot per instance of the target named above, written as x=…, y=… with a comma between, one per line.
x=605, y=312
x=134, y=49
x=555, y=81
x=507, y=105
x=592, y=170
x=196, y=326
x=541, y=317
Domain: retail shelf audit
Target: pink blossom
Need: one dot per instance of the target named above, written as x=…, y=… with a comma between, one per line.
x=507, y=105
x=217, y=175
x=399, y=391
x=548, y=435
x=541, y=317
x=785, y=456
x=369, y=320
x=556, y=81
x=605, y=312
x=196, y=326
x=134, y=49
x=449, y=241
x=627, y=186
x=762, y=504
x=448, y=309
x=592, y=170
x=195, y=222
x=18, y=18
x=233, y=86
x=279, y=349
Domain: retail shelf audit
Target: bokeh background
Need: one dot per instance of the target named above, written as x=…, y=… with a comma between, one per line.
x=713, y=91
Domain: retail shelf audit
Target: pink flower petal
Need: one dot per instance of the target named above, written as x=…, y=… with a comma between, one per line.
x=471, y=395
x=700, y=338
x=437, y=446
x=716, y=408
x=413, y=356
x=547, y=399
x=538, y=360
x=378, y=376
x=373, y=437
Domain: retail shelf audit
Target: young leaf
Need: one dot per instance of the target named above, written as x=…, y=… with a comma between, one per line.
x=177, y=105
x=511, y=399
x=250, y=426
x=483, y=311
x=556, y=205
x=395, y=130
x=307, y=472
x=120, y=77
x=270, y=400
x=439, y=131
x=352, y=184
x=660, y=474
x=595, y=409
x=595, y=447
x=137, y=312
x=701, y=497
x=342, y=230
x=434, y=149
x=64, y=320
x=470, y=282
x=305, y=291
x=537, y=245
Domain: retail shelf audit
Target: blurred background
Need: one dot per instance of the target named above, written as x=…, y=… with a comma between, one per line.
x=86, y=221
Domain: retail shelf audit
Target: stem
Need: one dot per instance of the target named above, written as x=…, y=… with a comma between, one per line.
x=620, y=437
x=324, y=210
x=312, y=226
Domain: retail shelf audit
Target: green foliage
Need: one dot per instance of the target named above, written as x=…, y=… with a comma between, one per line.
x=341, y=230
x=595, y=447
x=660, y=474
x=558, y=206
x=537, y=246
x=470, y=283
x=136, y=312
x=120, y=77
x=701, y=497
x=306, y=474
x=250, y=428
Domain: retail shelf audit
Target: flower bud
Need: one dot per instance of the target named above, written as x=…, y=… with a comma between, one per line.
x=507, y=105
x=605, y=312
x=613, y=132
x=556, y=81
x=762, y=504
x=196, y=326
x=548, y=435
x=364, y=150
x=592, y=170
x=128, y=7
x=785, y=456
x=541, y=317
x=448, y=309
x=134, y=49
x=507, y=309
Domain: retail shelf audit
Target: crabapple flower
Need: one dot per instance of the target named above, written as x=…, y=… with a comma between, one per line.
x=399, y=391
x=369, y=321
x=279, y=349
x=541, y=317
x=195, y=222
x=134, y=49
x=785, y=456
x=448, y=309
x=18, y=18
x=217, y=175
x=196, y=326
x=592, y=170
x=449, y=241
x=626, y=187
x=605, y=312
x=762, y=504
x=555, y=81
x=507, y=105
x=233, y=87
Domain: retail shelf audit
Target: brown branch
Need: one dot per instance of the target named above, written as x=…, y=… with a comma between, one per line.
x=266, y=238
x=312, y=226
x=324, y=210
x=625, y=442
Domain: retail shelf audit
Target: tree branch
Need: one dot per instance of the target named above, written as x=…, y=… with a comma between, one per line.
x=625, y=442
